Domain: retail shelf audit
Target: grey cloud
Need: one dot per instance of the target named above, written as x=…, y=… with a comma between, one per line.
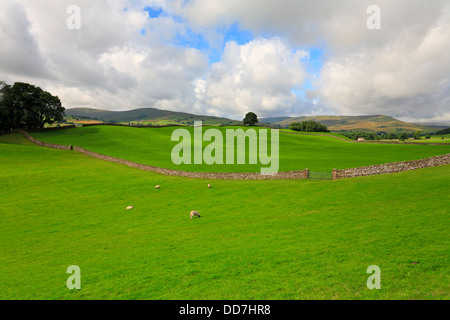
x=19, y=50
x=396, y=70
x=400, y=70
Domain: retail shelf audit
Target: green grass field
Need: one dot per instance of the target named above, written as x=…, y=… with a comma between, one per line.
x=153, y=146
x=256, y=239
x=331, y=134
x=445, y=138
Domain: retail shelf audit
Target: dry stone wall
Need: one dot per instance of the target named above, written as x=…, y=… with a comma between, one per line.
x=71, y=126
x=392, y=167
x=202, y=175
x=44, y=144
x=303, y=174
x=169, y=172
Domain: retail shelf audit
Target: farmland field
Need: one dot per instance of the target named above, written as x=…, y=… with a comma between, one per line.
x=153, y=146
x=444, y=138
x=294, y=239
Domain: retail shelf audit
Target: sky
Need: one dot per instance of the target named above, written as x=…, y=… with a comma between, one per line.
x=227, y=58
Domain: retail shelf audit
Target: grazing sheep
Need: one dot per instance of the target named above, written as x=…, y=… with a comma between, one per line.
x=194, y=214
x=209, y=186
x=158, y=187
x=130, y=207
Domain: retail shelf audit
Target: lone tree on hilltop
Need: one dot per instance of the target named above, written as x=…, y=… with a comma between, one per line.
x=23, y=105
x=250, y=119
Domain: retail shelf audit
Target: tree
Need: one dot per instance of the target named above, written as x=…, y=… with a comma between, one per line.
x=250, y=119
x=295, y=126
x=392, y=136
x=4, y=118
x=308, y=126
x=23, y=105
x=417, y=135
x=403, y=136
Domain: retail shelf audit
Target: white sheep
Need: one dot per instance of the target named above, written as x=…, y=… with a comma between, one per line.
x=194, y=214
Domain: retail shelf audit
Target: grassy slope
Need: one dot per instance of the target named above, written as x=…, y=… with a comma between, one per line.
x=255, y=240
x=331, y=134
x=297, y=152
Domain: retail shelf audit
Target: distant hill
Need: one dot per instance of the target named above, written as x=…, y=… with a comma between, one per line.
x=273, y=119
x=145, y=116
x=375, y=123
x=155, y=116
x=444, y=131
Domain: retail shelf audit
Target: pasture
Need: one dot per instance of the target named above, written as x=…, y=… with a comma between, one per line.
x=289, y=239
x=153, y=146
x=443, y=138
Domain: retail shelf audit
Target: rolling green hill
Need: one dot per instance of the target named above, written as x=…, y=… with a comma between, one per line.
x=256, y=240
x=153, y=116
x=153, y=146
x=273, y=120
x=373, y=123
x=148, y=116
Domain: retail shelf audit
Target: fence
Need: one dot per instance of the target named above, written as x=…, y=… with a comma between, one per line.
x=320, y=175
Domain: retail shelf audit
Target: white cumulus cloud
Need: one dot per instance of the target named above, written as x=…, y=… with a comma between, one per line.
x=122, y=58
x=258, y=77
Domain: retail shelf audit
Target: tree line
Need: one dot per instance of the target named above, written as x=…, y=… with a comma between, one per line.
x=444, y=131
x=402, y=136
x=308, y=126
x=25, y=106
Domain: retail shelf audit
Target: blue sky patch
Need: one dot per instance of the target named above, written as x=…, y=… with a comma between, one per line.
x=192, y=40
x=196, y=40
x=153, y=12
x=314, y=64
x=234, y=33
